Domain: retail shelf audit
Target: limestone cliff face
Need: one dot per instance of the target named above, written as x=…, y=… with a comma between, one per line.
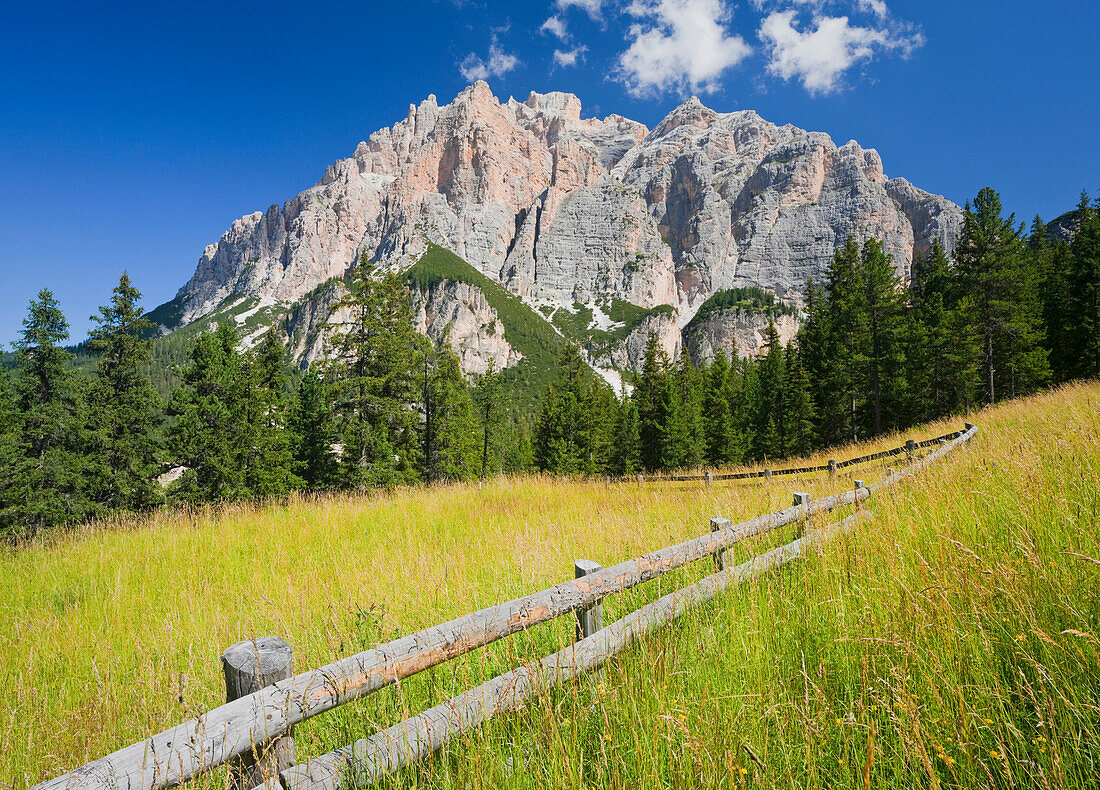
x=729, y=329
x=562, y=210
x=460, y=313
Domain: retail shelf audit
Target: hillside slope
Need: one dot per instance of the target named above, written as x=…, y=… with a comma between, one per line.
x=953, y=641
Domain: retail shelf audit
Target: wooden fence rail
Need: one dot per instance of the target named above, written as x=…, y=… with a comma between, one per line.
x=831, y=466
x=232, y=730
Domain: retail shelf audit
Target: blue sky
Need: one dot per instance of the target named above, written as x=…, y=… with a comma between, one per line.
x=132, y=135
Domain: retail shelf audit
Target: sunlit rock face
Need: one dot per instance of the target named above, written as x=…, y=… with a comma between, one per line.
x=562, y=210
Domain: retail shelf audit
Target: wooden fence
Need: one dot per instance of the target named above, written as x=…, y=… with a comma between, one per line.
x=907, y=449
x=253, y=731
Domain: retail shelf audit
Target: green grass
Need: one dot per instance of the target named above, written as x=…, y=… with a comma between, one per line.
x=951, y=642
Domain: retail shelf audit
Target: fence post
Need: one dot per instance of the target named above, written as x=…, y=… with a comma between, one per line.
x=248, y=667
x=910, y=449
x=721, y=557
x=832, y=469
x=768, y=475
x=710, y=478
x=589, y=620
x=802, y=500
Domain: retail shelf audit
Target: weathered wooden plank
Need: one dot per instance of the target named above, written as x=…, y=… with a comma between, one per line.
x=367, y=760
x=217, y=736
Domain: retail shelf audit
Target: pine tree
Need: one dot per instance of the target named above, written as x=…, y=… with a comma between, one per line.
x=881, y=308
x=574, y=431
x=46, y=487
x=1052, y=261
x=626, y=447
x=1002, y=284
x=798, y=408
x=451, y=446
x=1083, y=307
x=123, y=407
x=207, y=435
x=374, y=368
x=487, y=395
x=652, y=397
x=939, y=346
x=685, y=420
x=721, y=436
x=266, y=445
x=769, y=375
x=312, y=429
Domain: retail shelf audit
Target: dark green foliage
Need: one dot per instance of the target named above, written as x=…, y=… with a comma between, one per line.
x=207, y=407
x=653, y=396
x=574, y=431
x=312, y=429
x=1083, y=304
x=747, y=300
x=799, y=415
x=939, y=350
x=722, y=439
x=765, y=392
x=44, y=484
x=1001, y=283
x=626, y=440
x=451, y=446
x=123, y=408
x=686, y=438
x=486, y=397
x=266, y=444
x=373, y=365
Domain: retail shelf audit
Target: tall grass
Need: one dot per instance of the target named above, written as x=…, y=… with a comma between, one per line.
x=951, y=642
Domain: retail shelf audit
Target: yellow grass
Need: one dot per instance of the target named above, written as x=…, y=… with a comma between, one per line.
x=952, y=641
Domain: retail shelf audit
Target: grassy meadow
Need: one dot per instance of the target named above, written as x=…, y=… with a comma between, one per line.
x=953, y=641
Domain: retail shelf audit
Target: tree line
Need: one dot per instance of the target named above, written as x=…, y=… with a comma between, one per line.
x=1008, y=313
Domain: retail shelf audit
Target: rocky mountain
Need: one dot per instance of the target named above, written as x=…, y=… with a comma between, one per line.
x=603, y=228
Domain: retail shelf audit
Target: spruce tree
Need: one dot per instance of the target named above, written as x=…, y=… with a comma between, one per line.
x=206, y=437
x=799, y=417
x=939, y=346
x=451, y=446
x=487, y=395
x=312, y=429
x=686, y=444
x=881, y=312
x=1083, y=306
x=1052, y=261
x=767, y=398
x=123, y=407
x=47, y=486
x=652, y=396
x=721, y=436
x=373, y=364
x=265, y=444
x=626, y=456
x=1002, y=284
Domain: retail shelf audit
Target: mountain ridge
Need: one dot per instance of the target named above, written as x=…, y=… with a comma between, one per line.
x=574, y=214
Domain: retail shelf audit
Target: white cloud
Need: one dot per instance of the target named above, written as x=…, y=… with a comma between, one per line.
x=679, y=46
x=555, y=26
x=569, y=57
x=594, y=8
x=820, y=53
x=497, y=64
x=876, y=7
